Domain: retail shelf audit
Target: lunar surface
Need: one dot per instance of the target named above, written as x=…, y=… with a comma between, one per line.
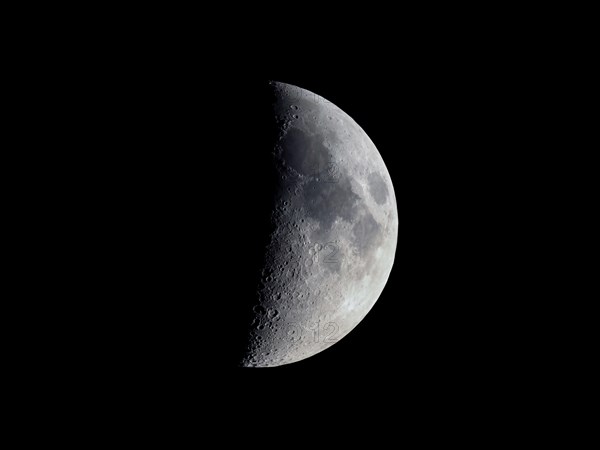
x=333, y=231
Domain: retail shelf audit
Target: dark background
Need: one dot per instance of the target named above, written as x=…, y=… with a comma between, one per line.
x=153, y=132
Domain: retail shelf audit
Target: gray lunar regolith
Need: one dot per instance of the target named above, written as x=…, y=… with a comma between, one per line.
x=335, y=232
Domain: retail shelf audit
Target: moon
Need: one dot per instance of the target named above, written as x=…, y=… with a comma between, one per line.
x=334, y=227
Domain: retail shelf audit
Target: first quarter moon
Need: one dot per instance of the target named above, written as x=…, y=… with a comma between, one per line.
x=333, y=231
